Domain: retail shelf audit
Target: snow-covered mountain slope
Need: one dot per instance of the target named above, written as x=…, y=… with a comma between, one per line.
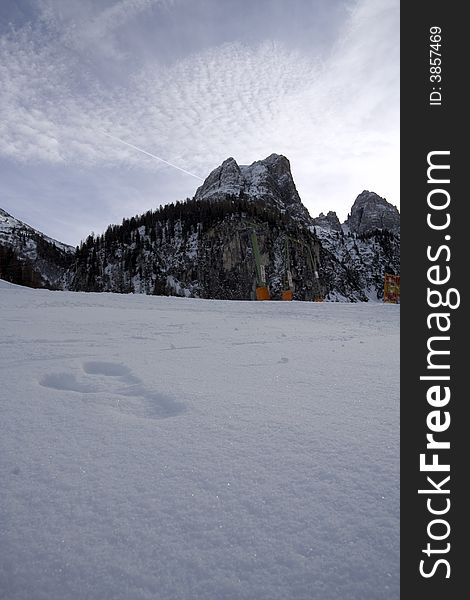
x=11, y=227
x=169, y=448
x=246, y=227
x=353, y=266
x=29, y=257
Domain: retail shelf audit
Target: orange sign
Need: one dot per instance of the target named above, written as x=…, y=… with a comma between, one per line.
x=392, y=288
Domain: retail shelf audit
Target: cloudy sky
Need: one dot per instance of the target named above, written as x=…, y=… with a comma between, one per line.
x=193, y=82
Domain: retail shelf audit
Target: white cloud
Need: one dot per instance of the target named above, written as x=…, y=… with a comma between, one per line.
x=336, y=121
x=83, y=24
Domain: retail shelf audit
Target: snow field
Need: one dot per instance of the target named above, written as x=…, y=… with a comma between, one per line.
x=171, y=448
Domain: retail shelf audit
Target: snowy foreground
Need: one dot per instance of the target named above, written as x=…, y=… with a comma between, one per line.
x=168, y=448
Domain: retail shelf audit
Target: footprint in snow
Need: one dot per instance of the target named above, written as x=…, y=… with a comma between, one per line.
x=98, y=367
x=128, y=392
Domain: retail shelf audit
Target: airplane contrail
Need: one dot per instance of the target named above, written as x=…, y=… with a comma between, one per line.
x=113, y=137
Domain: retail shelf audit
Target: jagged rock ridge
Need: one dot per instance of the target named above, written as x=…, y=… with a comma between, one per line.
x=329, y=221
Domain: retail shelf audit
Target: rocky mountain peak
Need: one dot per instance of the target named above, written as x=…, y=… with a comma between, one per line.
x=268, y=181
x=225, y=180
x=329, y=221
x=370, y=212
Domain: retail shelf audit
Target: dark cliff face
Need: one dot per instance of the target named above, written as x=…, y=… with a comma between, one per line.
x=202, y=249
x=370, y=212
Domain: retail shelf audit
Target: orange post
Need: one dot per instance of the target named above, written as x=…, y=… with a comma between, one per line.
x=262, y=293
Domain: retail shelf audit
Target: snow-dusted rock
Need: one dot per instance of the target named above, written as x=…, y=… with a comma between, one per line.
x=329, y=221
x=267, y=182
x=370, y=212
